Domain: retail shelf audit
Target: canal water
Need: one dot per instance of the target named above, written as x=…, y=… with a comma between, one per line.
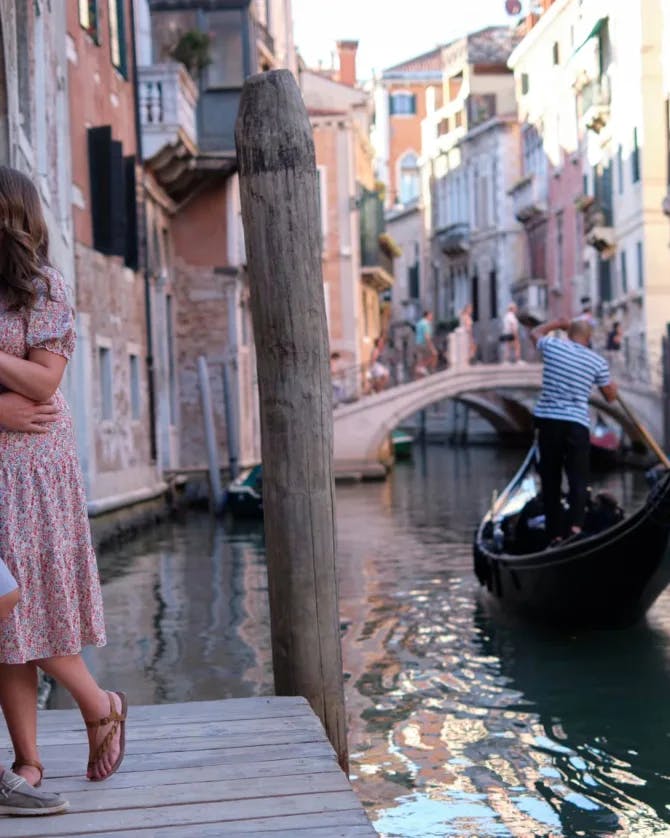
x=459, y=724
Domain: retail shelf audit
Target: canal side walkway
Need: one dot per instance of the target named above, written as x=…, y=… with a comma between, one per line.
x=248, y=766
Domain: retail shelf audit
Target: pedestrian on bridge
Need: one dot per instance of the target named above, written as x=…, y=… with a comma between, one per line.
x=425, y=347
x=571, y=370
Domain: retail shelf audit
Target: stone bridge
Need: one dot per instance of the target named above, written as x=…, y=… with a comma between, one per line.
x=496, y=391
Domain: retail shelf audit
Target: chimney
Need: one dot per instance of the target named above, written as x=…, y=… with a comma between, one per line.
x=347, y=53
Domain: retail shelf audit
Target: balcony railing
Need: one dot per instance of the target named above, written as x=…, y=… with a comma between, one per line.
x=596, y=98
x=530, y=198
x=167, y=99
x=454, y=239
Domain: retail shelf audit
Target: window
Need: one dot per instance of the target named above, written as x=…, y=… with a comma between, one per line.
x=640, y=265
x=117, y=35
x=493, y=292
x=106, y=389
x=605, y=280
x=135, y=397
x=619, y=165
x=560, y=265
x=556, y=54
x=475, y=298
x=323, y=204
x=403, y=104
x=409, y=178
x=635, y=158
x=624, y=272
x=227, y=66
x=88, y=17
x=525, y=83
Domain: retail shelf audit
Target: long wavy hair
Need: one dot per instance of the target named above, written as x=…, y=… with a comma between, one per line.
x=24, y=241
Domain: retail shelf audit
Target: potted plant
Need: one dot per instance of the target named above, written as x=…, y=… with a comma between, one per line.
x=193, y=51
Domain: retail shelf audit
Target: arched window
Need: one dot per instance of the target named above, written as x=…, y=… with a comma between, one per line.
x=409, y=178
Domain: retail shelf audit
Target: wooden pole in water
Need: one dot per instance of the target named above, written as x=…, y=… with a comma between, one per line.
x=281, y=216
x=215, y=490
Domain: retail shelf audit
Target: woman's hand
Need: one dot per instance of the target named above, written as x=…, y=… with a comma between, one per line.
x=22, y=415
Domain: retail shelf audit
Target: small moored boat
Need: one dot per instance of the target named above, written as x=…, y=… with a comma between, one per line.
x=402, y=444
x=608, y=577
x=244, y=497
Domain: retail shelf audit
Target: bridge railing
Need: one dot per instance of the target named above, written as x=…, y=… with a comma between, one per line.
x=632, y=364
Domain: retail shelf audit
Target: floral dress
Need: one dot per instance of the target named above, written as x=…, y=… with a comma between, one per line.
x=44, y=531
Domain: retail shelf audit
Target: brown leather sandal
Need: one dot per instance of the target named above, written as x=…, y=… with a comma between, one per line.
x=30, y=763
x=117, y=720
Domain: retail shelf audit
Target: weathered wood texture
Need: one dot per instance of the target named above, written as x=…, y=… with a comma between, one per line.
x=259, y=766
x=281, y=214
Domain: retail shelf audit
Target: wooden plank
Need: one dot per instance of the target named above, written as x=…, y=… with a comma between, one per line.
x=88, y=823
x=170, y=775
x=342, y=825
x=328, y=824
x=151, y=746
x=220, y=710
x=184, y=730
x=92, y=799
x=67, y=764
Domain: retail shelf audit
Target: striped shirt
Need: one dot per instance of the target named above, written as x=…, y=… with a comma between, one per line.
x=570, y=373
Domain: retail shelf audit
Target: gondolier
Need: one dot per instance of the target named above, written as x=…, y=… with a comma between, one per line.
x=571, y=370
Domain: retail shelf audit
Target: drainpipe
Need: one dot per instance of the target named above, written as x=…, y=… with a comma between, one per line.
x=142, y=248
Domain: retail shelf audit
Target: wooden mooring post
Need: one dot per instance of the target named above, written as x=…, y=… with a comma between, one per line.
x=281, y=216
x=666, y=388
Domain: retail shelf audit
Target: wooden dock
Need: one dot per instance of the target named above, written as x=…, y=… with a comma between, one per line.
x=239, y=767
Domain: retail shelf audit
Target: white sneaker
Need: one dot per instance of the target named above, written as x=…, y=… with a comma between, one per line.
x=17, y=797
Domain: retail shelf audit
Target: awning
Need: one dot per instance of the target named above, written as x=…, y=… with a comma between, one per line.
x=594, y=33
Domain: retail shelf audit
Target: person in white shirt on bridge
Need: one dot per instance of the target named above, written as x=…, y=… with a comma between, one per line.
x=511, y=344
x=571, y=370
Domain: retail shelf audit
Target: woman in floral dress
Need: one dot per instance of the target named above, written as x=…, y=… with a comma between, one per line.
x=44, y=531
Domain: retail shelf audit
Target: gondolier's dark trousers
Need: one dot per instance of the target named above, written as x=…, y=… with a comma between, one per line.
x=563, y=445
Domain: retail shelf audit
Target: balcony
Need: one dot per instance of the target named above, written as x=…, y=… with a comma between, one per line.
x=168, y=98
x=598, y=230
x=377, y=247
x=595, y=100
x=530, y=198
x=531, y=296
x=454, y=240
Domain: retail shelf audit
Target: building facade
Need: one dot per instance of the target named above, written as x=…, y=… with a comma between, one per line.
x=604, y=127
x=470, y=162
x=357, y=255
x=190, y=158
x=114, y=395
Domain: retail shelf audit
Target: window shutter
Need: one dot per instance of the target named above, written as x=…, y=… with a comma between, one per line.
x=131, y=242
x=108, y=191
x=99, y=159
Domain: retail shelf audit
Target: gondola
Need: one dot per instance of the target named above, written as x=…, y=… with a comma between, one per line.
x=605, y=444
x=244, y=497
x=606, y=578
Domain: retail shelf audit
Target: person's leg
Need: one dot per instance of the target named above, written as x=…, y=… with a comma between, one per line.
x=73, y=674
x=550, y=443
x=577, y=469
x=8, y=603
x=18, y=699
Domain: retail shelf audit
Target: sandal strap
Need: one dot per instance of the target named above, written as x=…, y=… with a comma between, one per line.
x=114, y=716
x=103, y=747
x=29, y=763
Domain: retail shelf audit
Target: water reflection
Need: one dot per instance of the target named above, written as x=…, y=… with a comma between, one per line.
x=459, y=724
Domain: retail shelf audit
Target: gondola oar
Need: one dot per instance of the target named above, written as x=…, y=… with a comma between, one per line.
x=644, y=433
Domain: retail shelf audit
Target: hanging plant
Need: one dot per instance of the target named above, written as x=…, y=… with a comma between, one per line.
x=193, y=51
